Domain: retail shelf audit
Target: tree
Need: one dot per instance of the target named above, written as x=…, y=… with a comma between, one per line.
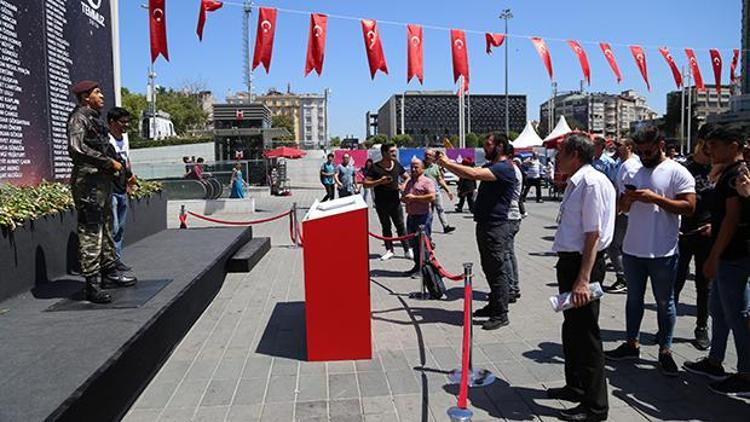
x=473, y=140
x=135, y=104
x=403, y=140
x=376, y=139
x=513, y=135
x=283, y=121
x=184, y=109
x=335, y=141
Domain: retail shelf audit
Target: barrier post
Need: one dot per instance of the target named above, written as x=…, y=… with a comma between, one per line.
x=422, y=293
x=183, y=217
x=293, y=216
x=476, y=377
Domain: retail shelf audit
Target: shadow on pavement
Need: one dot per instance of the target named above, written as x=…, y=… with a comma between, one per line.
x=285, y=333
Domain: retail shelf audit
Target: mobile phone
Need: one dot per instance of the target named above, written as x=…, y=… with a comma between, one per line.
x=630, y=187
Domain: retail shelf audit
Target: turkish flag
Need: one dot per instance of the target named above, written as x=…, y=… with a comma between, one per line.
x=541, y=48
x=581, y=58
x=640, y=60
x=316, y=43
x=716, y=62
x=672, y=65
x=415, y=53
x=374, y=47
x=695, y=69
x=264, y=38
x=493, y=40
x=735, y=60
x=206, y=6
x=610, y=56
x=460, y=55
x=157, y=19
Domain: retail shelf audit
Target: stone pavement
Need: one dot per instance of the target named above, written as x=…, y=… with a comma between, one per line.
x=243, y=360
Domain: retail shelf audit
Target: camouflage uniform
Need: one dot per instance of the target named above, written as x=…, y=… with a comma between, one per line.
x=91, y=183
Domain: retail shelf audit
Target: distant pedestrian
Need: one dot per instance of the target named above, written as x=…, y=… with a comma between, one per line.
x=238, y=183
x=494, y=231
x=366, y=192
x=602, y=161
x=419, y=194
x=434, y=172
x=585, y=227
x=533, y=178
x=514, y=216
x=520, y=170
x=327, y=171
x=655, y=196
x=345, y=177
x=384, y=179
x=467, y=188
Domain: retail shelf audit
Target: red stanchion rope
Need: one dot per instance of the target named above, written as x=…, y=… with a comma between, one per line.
x=300, y=240
x=291, y=227
x=463, y=393
x=394, y=239
x=239, y=223
x=443, y=272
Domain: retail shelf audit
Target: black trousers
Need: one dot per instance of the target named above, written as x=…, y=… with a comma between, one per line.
x=537, y=183
x=388, y=212
x=494, y=242
x=330, y=193
x=582, y=341
x=469, y=198
x=697, y=246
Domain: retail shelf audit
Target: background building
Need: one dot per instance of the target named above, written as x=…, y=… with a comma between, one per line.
x=430, y=116
x=371, y=124
x=609, y=115
x=703, y=105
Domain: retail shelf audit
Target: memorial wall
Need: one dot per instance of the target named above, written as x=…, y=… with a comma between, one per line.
x=45, y=46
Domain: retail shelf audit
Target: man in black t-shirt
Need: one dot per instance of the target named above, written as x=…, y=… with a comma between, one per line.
x=695, y=236
x=728, y=264
x=384, y=178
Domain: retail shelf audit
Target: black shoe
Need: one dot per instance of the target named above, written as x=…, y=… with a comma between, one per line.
x=624, y=352
x=667, y=365
x=565, y=393
x=706, y=368
x=459, y=210
x=734, y=386
x=485, y=312
x=518, y=295
x=448, y=229
x=620, y=285
x=512, y=299
x=580, y=413
x=112, y=279
x=121, y=266
x=93, y=291
x=702, y=341
x=495, y=322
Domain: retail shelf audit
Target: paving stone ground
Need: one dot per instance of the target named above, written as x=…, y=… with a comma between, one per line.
x=243, y=360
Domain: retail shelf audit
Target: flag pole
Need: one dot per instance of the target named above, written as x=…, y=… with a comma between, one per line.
x=506, y=14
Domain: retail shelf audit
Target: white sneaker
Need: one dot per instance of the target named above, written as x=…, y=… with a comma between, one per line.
x=386, y=256
x=409, y=254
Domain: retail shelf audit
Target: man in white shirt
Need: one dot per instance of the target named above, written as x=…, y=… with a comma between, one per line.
x=533, y=178
x=585, y=228
x=655, y=196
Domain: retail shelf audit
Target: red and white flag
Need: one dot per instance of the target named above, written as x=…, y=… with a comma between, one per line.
x=157, y=19
x=316, y=43
x=585, y=68
x=735, y=61
x=415, y=53
x=610, y=56
x=493, y=40
x=695, y=69
x=264, y=38
x=672, y=65
x=541, y=48
x=460, y=54
x=716, y=62
x=206, y=6
x=374, y=47
x=640, y=60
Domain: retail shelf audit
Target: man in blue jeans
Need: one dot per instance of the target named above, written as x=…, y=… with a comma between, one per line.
x=418, y=197
x=655, y=196
x=118, y=120
x=728, y=264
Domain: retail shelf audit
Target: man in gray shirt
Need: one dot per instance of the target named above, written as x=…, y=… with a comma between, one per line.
x=345, y=177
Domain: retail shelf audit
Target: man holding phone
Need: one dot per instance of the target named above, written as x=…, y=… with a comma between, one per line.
x=384, y=178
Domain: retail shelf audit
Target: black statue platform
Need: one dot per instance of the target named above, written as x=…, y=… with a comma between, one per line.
x=65, y=359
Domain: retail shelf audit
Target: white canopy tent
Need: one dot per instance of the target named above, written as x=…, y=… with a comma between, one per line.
x=559, y=131
x=528, y=138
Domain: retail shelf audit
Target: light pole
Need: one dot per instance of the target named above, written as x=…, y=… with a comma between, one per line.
x=151, y=97
x=505, y=15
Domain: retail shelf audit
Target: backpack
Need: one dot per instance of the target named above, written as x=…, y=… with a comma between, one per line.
x=433, y=281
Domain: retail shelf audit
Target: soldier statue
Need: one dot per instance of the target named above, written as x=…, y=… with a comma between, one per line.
x=95, y=164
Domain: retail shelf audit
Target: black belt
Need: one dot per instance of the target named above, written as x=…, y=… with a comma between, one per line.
x=599, y=254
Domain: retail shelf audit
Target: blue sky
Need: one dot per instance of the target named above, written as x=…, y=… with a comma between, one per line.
x=218, y=60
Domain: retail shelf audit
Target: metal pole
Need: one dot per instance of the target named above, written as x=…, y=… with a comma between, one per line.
x=690, y=110
x=506, y=14
x=682, y=114
x=477, y=377
x=294, y=224
x=182, y=217
x=403, y=101
x=468, y=119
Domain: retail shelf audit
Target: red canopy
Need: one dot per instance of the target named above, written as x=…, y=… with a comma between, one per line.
x=285, y=152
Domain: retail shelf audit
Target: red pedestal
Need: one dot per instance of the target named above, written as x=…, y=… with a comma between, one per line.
x=337, y=280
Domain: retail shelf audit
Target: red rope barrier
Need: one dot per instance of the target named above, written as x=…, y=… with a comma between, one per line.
x=394, y=239
x=291, y=227
x=443, y=272
x=239, y=223
x=183, y=221
x=300, y=240
x=463, y=393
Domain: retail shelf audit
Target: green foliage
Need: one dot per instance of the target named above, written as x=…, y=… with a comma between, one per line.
x=286, y=122
x=184, y=108
x=454, y=141
x=135, y=104
x=513, y=135
x=22, y=203
x=402, y=140
x=137, y=142
x=376, y=139
x=336, y=141
x=473, y=140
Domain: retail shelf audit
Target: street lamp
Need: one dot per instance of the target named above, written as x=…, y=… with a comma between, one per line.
x=505, y=15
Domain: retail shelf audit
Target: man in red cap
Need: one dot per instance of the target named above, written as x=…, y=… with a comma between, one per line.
x=94, y=167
